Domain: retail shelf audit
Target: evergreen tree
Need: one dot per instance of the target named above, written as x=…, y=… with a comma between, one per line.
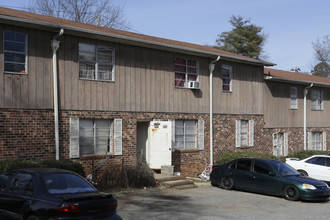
x=244, y=39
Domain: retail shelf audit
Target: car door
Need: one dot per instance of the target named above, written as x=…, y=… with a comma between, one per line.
x=315, y=167
x=15, y=199
x=242, y=175
x=264, y=179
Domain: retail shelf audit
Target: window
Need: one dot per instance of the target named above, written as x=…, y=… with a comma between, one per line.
x=280, y=144
x=15, y=52
x=5, y=180
x=317, y=161
x=317, y=99
x=59, y=183
x=95, y=137
x=293, y=97
x=96, y=62
x=315, y=140
x=244, y=165
x=226, y=72
x=244, y=133
x=185, y=71
x=261, y=167
x=92, y=137
x=185, y=134
x=22, y=185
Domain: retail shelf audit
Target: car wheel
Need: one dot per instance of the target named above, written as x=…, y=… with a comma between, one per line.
x=32, y=217
x=227, y=183
x=291, y=193
x=303, y=172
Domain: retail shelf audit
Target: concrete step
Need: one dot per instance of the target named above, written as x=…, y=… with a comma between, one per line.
x=160, y=178
x=176, y=183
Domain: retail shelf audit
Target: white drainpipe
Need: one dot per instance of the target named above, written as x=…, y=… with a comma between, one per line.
x=211, y=68
x=55, y=44
x=305, y=123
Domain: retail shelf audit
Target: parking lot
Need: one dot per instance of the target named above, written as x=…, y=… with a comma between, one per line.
x=207, y=202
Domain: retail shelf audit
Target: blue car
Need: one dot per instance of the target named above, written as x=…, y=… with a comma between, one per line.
x=268, y=177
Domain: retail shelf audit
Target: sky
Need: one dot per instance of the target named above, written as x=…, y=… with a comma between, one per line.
x=291, y=26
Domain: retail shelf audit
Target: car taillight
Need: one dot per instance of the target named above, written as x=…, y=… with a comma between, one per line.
x=212, y=168
x=113, y=205
x=69, y=209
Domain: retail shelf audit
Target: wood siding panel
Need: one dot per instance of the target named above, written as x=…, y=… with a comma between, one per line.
x=32, y=67
x=247, y=90
x=277, y=112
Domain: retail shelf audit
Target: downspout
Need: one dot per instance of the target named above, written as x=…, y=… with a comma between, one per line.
x=305, y=129
x=55, y=44
x=211, y=68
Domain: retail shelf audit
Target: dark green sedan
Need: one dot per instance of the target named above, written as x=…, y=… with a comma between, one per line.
x=268, y=177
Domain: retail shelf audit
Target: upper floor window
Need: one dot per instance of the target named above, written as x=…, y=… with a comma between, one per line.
x=317, y=99
x=15, y=52
x=96, y=62
x=185, y=71
x=226, y=72
x=293, y=97
x=244, y=133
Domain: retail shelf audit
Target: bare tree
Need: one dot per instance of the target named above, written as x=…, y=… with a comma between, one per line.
x=97, y=12
x=322, y=54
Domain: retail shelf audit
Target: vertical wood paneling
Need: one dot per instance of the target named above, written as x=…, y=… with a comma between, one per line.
x=8, y=91
x=74, y=76
x=147, y=58
x=142, y=80
x=32, y=67
x=40, y=60
x=2, y=78
x=128, y=78
x=133, y=76
x=47, y=73
x=67, y=72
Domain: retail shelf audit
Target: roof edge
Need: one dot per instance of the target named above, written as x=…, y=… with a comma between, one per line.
x=48, y=25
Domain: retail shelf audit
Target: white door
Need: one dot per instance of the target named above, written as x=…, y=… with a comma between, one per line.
x=160, y=142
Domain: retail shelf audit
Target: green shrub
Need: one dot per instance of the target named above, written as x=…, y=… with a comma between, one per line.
x=307, y=153
x=6, y=165
x=227, y=157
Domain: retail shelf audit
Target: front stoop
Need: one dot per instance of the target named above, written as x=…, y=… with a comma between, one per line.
x=174, y=182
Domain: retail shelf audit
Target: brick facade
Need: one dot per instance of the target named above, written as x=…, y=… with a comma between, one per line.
x=30, y=134
x=27, y=134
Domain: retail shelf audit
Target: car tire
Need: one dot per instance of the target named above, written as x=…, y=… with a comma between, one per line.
x=291, y=193
x=227, y=183
x=32, y=217
x=303, y=172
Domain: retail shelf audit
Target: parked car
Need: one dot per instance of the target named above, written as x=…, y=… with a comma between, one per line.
x=268, y=177
x=45, y=193
x=317, y=166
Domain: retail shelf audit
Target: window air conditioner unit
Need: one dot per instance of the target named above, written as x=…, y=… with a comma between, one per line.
x=193, y=85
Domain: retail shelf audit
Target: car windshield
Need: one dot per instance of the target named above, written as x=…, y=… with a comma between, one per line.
x=283, y=169
x=59, y=183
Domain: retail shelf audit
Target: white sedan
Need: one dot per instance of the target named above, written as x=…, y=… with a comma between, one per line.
x=317, y=166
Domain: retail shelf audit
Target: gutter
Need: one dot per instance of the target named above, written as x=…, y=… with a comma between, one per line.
x=211, y=68
x=305, y=117
x=55, y=44
x=274, y=78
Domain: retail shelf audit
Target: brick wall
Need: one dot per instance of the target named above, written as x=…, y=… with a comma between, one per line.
x=27, y=134
x=30, y=134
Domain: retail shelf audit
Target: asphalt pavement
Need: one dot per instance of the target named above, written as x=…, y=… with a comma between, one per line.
x=207, y=202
